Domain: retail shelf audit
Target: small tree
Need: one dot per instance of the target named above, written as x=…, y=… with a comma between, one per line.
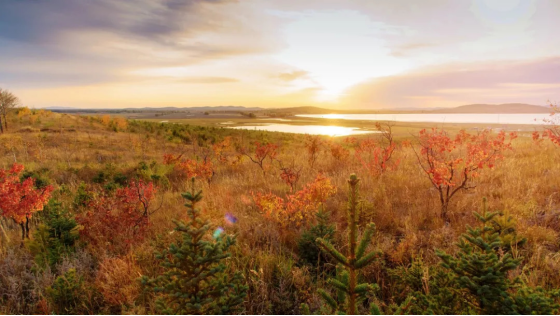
x=313, y=145
x=552, y=129
x=298, y=208
x=262, y=152
x=482, y=267
x=195, y=280
x=290, y=174
x=350, y=292
x=8, y=101
x=55, y=237
x=20, y=199
x=106, y=120
x=376, y=155
x=120, y=123
x=191, y=168
x=337, y=151
x=308, y=248
x=224, y=152
x=116, y=221
x=451, y=163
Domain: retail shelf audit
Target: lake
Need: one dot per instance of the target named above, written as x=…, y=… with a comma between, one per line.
x=307, y=129
x=526, y=118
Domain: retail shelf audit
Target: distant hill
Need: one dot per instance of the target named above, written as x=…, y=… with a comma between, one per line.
x=199, y=108
x=470, y=108
x=305, y=110
x=496, y=108
x=224, y=108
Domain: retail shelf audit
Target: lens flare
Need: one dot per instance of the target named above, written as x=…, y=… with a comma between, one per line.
x=230, y=219
x=218, y=232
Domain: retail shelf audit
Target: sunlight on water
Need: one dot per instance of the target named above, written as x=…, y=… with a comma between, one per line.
x=307, y=129
x=525, y=118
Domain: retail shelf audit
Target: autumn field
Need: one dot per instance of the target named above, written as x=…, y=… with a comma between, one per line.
x=100, y=214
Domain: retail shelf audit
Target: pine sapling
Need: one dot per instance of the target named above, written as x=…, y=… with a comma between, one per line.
x=308, y=248
x=482, y=267
x=350, y=293
x=196, y=280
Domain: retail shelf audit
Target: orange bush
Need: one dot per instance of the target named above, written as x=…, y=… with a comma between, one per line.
x=196, y=169
x=120, y=123
x=106, y=120
x=552, y=127
x=450, y=163
x=298, y=208
x=114, y=222
x=20, y=199
x=224, y=152
x=262, y=151
x=290, y=176
x=313, y=145
x=338, y=152
x=191, y=168
x=376, y=156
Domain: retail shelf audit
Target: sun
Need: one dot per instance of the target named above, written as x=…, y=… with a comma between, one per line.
x=338, y=50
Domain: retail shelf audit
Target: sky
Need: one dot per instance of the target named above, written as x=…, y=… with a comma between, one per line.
x=340, y=54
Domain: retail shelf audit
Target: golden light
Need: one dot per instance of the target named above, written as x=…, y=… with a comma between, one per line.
x=338, y=49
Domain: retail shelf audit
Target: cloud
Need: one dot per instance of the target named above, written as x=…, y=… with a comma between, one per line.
x=208, y=80
x=407, y=49
x=69, y=43
x=461, y=83
x=437, y=52
x=32, y=21
x=292, y=75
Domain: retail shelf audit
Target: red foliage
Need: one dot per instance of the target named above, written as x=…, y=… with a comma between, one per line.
x=376, y=156
x=224, y=153
x=553, y=134
x=169, y=159
x=450, y=163
x=537, y=138
x=406, y=144
x=338, y=152
x=290, y=176
x=115, y=222
x=552, y=127
x=191, y=168
x=196, y=169
x=20, y=199
x=298, y=208
x=261, y=153
x=313, y=144
x=350, y=140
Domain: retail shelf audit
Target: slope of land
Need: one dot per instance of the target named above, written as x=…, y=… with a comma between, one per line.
x=95, y=266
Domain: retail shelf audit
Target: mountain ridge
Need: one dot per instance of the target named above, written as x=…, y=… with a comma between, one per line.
x=479, y=108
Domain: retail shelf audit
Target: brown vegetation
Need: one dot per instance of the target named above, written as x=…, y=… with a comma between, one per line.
x=89, y=159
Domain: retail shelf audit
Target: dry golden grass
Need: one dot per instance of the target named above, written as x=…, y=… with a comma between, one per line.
x=402, y=203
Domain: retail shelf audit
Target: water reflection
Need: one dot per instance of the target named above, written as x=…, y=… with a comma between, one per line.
x=307, y=129
x=525, y=118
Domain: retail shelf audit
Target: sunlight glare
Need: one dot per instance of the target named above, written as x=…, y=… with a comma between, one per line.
x=339, y=49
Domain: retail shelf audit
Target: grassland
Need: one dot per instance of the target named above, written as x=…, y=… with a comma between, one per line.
x=70, y=152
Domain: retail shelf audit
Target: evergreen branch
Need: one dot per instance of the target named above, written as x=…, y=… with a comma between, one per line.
x=367, y=259
x=339, y=285
x=329, y=248
x=328, y=299
x=366, y=240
